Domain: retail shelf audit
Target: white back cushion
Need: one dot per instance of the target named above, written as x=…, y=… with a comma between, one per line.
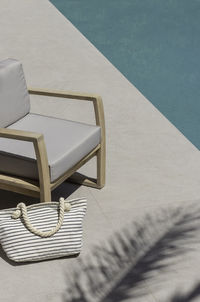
x=14, y=97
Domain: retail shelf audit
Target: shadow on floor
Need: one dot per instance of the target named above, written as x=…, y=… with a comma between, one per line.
x=10, y=199
x=116, y=270
x=188, y=297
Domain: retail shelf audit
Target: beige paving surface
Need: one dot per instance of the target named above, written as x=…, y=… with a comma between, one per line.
x=141, y=232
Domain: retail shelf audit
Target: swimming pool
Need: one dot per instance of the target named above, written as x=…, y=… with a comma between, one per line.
x=155, y=44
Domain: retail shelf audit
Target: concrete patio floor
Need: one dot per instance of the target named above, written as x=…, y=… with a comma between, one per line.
x=141, y=232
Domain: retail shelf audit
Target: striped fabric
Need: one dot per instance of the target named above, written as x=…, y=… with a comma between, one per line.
x=21, y=245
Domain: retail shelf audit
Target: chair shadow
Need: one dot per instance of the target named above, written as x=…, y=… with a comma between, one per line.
x=10, y=199
x=116, y=270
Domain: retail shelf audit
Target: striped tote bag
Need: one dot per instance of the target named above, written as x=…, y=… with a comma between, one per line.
x=42, y=231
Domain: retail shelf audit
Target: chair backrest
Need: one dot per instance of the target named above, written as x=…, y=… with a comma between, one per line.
x=14, y=97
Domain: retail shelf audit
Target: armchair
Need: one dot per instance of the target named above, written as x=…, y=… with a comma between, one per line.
x=37, y=152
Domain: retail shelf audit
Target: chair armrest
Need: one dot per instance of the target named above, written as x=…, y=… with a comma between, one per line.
x=39, y=145
x=20, y=135
x=63, y=94
x=96, y=99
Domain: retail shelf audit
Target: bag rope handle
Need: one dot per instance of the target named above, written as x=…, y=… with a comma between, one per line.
x=22, y=210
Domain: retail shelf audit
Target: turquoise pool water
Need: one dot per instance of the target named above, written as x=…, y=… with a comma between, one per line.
x=155, y=44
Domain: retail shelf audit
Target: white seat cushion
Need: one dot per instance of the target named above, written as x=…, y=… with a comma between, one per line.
x=67, y=142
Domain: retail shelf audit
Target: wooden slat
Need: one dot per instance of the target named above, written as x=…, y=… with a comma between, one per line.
x=11, y=181
x=20, y=190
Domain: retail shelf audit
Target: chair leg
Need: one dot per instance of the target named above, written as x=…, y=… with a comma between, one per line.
x=45, y=193
x=88, y=181
x=101, y=162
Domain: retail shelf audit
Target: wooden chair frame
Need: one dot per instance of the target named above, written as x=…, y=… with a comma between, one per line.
x=44, y=187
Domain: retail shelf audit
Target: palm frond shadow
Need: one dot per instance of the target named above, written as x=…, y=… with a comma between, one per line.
x=116, y=269
x=188, y=297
